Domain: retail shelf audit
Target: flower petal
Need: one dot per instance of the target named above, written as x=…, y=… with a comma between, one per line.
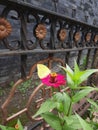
x=60, y=80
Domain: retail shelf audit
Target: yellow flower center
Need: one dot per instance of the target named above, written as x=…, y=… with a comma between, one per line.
x=53, y=76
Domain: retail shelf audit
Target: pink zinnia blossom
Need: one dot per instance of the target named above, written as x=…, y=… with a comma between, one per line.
x=53, y=79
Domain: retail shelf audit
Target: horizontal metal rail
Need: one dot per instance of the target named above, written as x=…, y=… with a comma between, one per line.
x=36, y=31
x=45, y=30
x=38, y=51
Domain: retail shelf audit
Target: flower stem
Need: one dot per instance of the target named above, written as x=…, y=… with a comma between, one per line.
x=70, y=109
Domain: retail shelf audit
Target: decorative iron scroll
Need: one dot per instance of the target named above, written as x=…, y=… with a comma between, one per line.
x=45, y=29
x=5, y=28
x=39, y=99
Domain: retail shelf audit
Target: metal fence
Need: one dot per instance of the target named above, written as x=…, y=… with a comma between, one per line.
x=42, y=31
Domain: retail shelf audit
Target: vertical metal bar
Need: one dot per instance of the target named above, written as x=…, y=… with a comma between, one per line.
x=71, y=43
x=87, y=58
x=79, y=57
x=94, y=58
x=67, y=55
x=23, y=30
x=23, y=66
x=24, y=42
x=52, y=33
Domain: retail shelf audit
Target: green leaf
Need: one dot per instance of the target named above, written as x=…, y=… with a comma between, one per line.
x=92, y=103
x=80, y=76
x=52, y=120
x=82, y=93
x=6, y=128
x=60, y=106
x=86, y=74
x=20, y=125
x=45, y=107
x=77, y=73
x=10, y=128
x=83, y=123
x=76, y=68
x=68, y=128
x=3, y=127
x=77, y=79
x=66, y=103
x=58, y=97
x=69, y=74
x=72, y=121
x=70, y=81
x=67, y=69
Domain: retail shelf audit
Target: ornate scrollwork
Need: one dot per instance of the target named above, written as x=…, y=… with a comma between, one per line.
x=40, y=31
x=62, y=34
x=77, y=36
x=43, y=30
x=5, y=28
x=88, y=37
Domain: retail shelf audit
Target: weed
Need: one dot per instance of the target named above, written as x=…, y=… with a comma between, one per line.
x=24, y=86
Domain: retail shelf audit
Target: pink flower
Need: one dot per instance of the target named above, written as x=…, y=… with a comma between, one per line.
x=53, y=79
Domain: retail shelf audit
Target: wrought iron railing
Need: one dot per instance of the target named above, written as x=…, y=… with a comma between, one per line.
x=42, y=31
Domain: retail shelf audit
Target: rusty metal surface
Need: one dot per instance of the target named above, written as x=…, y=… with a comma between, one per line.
x=40, y=31
x=39, y=99
x=58, y=34
x=53, y=22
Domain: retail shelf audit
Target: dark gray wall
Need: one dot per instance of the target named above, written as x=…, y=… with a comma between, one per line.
x=82, y=10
